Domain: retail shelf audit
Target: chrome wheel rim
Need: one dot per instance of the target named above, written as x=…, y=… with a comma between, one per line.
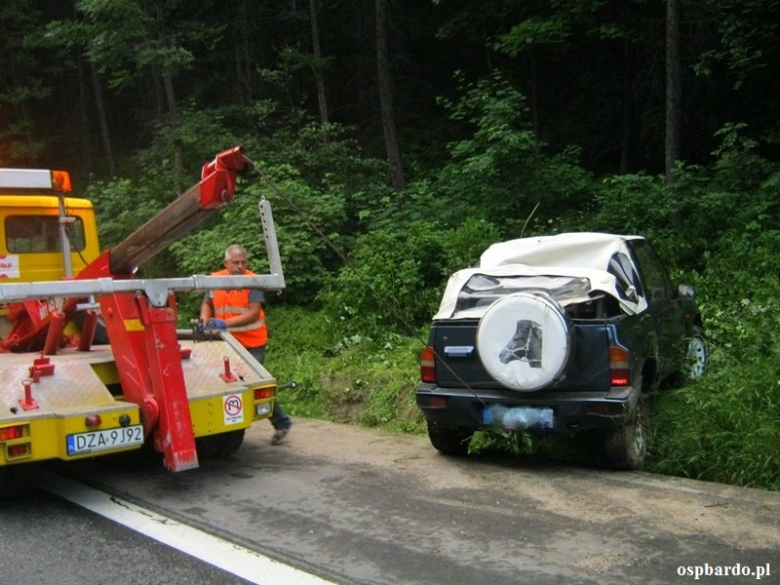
x=697, y=350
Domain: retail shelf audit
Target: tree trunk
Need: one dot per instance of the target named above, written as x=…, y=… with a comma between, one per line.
x=673, y=89
x=384, y=81
x=102, y=120
x=536, y=118
x=673, y=99
x=486, y=40
x=628, y=109
x=170, y=96
x=85, y=138
x=243, y=61
x=319, y=69
x=178, y=148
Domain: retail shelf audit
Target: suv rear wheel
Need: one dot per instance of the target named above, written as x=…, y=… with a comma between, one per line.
x=625, y=447
x=454, y=442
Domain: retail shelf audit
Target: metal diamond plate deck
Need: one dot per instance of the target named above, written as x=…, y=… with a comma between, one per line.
x=75, y=385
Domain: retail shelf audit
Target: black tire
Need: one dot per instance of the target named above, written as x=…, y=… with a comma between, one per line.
x=17, y=481
x=206, y=447
x=625, y=447
x=219, y=446
x=698, y=356
x=453, y=442
x=229, y=443
x=144, y=458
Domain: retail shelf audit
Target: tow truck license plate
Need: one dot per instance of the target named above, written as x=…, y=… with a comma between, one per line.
x=105, y=440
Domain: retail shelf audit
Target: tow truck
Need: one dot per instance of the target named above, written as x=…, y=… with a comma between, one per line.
x=93, y=360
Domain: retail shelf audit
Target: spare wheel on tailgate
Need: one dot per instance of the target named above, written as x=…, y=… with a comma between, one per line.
x=524, y=341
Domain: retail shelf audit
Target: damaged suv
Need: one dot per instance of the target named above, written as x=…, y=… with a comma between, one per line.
x=559, y=334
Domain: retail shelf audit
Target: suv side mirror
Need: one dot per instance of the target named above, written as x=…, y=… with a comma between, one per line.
x=686, y=292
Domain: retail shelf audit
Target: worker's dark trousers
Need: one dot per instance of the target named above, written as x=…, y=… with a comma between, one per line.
x=279, y=418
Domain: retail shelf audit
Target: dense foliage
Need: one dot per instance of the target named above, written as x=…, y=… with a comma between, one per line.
x=512, y=118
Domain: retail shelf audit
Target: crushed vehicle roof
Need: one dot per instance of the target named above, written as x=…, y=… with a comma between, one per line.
x=584, y=256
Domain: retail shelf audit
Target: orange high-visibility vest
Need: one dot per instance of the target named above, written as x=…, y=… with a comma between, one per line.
x=231, y=303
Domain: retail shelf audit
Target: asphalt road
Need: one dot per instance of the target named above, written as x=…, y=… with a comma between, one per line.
x=47, y=540
x=356, y=505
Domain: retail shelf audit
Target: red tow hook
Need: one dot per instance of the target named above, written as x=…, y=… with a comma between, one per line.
x=227, y=375
x=28, y=402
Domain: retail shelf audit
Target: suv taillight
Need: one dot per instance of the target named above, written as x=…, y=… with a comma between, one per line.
x=619, y=373
x=427, y=364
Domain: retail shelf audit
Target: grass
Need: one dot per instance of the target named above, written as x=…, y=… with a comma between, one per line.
x=348, y=379
x=723, y=428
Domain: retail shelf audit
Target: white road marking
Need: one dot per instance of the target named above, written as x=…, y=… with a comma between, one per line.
x=229, y=557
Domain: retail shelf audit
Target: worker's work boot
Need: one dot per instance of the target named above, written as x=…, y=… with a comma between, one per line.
x=279, y=435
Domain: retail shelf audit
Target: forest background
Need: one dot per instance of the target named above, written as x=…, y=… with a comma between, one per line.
x=396, y=139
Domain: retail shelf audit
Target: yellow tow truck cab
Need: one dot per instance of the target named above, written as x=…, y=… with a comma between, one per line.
x=30, y=236
x=30, y=243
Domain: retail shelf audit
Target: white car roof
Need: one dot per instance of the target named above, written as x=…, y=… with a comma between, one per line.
x=581, y=254
x=575, y=250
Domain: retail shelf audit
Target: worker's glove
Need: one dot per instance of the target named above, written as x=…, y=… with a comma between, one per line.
x=217, y=324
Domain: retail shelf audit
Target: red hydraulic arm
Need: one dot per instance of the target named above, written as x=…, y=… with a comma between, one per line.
x=216, y=188
x=143, y=336
x=38, y=324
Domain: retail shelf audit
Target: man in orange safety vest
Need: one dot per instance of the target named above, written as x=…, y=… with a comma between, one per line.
x=241, y=313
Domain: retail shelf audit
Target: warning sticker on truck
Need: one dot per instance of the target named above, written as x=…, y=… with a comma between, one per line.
x=233, y=407
x=9, y=266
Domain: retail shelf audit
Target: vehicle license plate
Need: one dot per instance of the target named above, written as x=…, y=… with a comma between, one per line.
x=105, y=440
x=520, y=417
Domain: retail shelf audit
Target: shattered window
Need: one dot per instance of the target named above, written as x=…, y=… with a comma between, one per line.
x=480, y=291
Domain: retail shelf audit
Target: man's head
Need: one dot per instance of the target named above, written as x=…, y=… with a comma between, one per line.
x=236, y=259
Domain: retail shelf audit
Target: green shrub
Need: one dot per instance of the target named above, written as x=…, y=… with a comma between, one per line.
x=392, y=281
x=501, y=171
x=395, y=278
x=721, y=429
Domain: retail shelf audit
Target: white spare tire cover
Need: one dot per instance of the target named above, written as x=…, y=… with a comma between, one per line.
x=523, y=341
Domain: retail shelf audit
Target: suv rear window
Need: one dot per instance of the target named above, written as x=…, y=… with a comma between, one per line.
x=480, y=291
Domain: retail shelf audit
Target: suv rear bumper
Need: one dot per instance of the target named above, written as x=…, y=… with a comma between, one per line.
x=572, y=412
